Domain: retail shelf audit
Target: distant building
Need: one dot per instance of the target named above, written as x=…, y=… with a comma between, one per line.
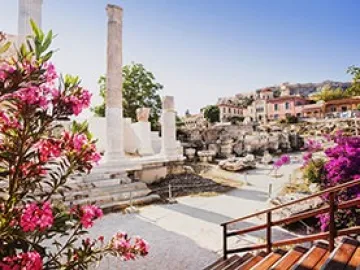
x=258, y=109
x=284, y=106
x=314, y=110
x=194, y=120
x=337, y=107
x=229, y=107
x=333, y=108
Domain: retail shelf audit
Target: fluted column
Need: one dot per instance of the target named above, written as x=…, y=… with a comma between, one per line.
x=114, y=110
x=28, y=9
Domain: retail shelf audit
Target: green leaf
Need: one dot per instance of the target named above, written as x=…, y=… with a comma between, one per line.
x=35, y=28
x=23, y=50
x=47, y=56
x=47, y=41
x=5, y=47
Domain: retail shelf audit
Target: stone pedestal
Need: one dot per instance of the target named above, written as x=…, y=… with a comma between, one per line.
x=169, y=147
x=131, y=141
x=143, y=133
x=28, y=9
x=156, y=142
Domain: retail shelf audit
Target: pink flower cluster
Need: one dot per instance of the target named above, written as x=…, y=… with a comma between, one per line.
x=284, y=159
x=49, y=148
x=87, y=214
x=5, y=71
x=121, y=244
x=8, y=122
x=50, y=74
x=79, y=144
x=77, y=101
x=34, y=95
x=30, y=169
x=35, y=216
x=23, y=261
x=313, y=146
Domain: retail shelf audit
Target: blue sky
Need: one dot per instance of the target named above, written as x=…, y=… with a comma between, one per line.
x=202, y=49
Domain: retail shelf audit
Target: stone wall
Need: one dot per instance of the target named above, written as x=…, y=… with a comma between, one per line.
x=239, y=140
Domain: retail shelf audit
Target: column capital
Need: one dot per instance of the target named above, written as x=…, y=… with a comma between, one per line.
x=115, y=13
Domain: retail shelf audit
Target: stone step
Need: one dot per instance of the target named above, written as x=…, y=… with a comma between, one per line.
x=102, y=184
x=104, y=199
x=120, y=205
x=108, y=190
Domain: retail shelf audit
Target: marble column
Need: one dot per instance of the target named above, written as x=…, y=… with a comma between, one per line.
x=28, y=9
x=114, y=111
x=169, y=147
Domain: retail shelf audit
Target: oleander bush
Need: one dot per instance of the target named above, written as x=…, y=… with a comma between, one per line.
x=36, y=230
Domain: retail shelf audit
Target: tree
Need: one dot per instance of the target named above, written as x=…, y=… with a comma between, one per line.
x=212, y=113
x=140, y=89
x=354, y=89
x=99, y=110
x=179, y=122
x=327, y=94
x=38, y=231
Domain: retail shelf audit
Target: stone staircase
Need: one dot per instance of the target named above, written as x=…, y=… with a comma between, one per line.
x=110, y=191
x=346, y=256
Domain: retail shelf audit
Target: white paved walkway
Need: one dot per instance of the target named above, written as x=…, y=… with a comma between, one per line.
x=187, y=235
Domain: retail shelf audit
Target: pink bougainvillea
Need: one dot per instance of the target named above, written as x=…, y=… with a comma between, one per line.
x=342, y=164
x=283, y=160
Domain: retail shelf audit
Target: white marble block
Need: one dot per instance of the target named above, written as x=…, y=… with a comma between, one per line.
x=142, y=131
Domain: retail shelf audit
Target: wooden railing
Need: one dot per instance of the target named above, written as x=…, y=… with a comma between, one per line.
x=330, y=235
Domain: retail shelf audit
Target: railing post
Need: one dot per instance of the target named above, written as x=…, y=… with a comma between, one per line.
x=224, y=242
x=268, y=232
x=332, y=228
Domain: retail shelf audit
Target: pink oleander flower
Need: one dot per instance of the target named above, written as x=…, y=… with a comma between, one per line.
x=76, y=102
x=36, y=217
x=31, y=169
x=23, y=261
x=5, y=71
x=79, y=140
x=34, y=95
x=78, y=144
x=49, y=148
x=121, y=244
x=142, y=246
x=8, y=122
x=87, y=214
x=50, y=74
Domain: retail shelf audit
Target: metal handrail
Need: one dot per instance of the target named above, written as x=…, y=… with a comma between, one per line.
x=317, y=194
x=330, y=234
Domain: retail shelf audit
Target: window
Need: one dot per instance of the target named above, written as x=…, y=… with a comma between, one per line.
x=229, y=110
x=287, y=105
x=276, y=107
x=224, y=110
x=344, y=108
